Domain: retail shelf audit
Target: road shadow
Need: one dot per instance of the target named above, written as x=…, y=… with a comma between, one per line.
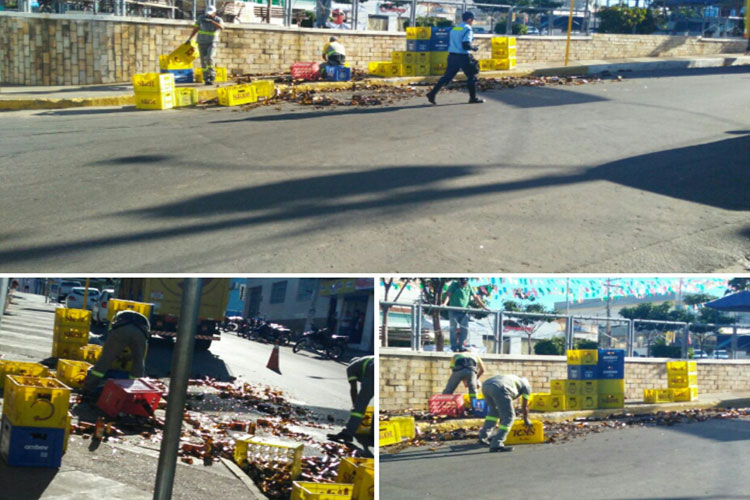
x=541, y=97
x=668, y=44
x=205, y=363
x=712, y=174
x=723, y=430
x=127, y=160
x=25, y=482
x=88, y=111
x=332, y=111
x=450, y=452
x=85, y=88
x=671, y=73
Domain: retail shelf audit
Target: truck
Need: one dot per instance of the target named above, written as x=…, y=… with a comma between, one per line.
x=165, y=295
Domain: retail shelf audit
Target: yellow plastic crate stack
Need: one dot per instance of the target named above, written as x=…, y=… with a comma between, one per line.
x=682, y=384
x=23, y=368
x=438, y=62
x=116, y=305
x=181, y=58
x=503, y=53
x=269, y=452
x=71, y=332
x=361, y=473
x=153, y=91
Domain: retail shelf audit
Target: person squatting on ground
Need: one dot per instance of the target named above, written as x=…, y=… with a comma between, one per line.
x=360, y=371
x=128, y=329
x=460, y=294
x=499, y=392
x=467, y=368
x=208, y=26
x=334, y=54
x=459, y=45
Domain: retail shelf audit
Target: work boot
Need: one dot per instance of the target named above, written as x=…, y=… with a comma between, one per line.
x=501, y=448
x=476, y=100
x=484, y=441
x=341, y=437
x=431, y=97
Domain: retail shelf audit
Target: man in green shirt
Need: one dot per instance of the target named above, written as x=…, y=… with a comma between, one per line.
x=460, y=294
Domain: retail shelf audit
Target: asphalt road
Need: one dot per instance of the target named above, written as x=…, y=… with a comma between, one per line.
x=688, y=461
x=648, y=175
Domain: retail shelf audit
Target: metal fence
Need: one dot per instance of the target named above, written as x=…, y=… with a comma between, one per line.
x=614, y=332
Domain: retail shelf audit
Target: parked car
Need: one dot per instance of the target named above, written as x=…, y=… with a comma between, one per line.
x=65, y=288
x=532, y=30
x=99, y=311
x=74, y=300
x=699, y=354
x=720, y=354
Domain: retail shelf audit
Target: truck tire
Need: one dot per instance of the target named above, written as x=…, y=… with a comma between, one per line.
x=202, y=344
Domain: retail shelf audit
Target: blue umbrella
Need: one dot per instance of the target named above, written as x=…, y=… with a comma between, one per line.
x=739, y=302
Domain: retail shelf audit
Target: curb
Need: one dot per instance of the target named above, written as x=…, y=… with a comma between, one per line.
x=573, y=70
x=560, y=416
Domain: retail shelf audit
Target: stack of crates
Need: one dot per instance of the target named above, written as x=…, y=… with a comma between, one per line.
x=503, y=53
x=611, y=375
x=359, y=472
x=221, y=74
x=71, y=332
x=426, y=54
x=269, y=452
x=682, y=384
x=23, y=368
x=153, y=91
x=180, y=62
x=35, y=420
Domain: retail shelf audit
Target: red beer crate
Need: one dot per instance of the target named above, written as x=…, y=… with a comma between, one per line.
x=451, y=405
x=132, y=397
x=305, y=71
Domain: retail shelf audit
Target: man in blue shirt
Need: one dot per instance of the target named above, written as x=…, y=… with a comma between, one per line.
x=459, y=59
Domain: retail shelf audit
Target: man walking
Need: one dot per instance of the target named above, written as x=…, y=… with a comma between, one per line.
x=360, y=371
x=459, y=59
x=467, y=368
x=128, y=329
x=499, y=392
x=460, y=294
x=208, y=26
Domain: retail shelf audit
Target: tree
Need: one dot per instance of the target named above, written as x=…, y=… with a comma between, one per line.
x=433, y=291
x=387, y=284
x=738, y=285
x=530, y=325
x=619, y=19
x=550, y=347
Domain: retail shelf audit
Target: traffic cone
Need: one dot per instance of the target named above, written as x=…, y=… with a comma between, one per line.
x=273, y=361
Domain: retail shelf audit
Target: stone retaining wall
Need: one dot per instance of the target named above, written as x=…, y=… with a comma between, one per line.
x=408, y=379
x=46, y=49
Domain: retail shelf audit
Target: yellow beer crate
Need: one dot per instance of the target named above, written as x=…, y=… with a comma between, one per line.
x=682, y=381
x=681, y=394
x=73, y=318
x=506, y=64
x=116, y=305
x=438, y=69
x=154, y=100
x=23, y=368
x=499, y=52
x=422, y=70
x=613, y=386
x=589, y=402
x=583, y=356
x=264, y=89
x=418, y=33
x=364, y=426
x=682, y=368
x=557, y=402
x=90, y=353
x=658, y=395
x=67, y=350
x=439, y=58
x=402, y=57
x=407, y=70
x=303, y=490
x=66, y=333
x=557, y=386
x=36, y=402
x=236, y=95
x=185, y=97
x=364, y=483
x=72, y=373
x=280, y=454
x=422, y=58
x=348, y=468
x=588, y=388
x=573, y=387
x=186, y=53
x=520, y=434
x=68, y=423
x=406, y=427
x=540, y=402
x=166, y=62
x=153, y=82
x=610, y=401
x=221, y=74
x=574, y=402
x=503, y=41
x=486, y=64
x=376, y=67
x=389, y=433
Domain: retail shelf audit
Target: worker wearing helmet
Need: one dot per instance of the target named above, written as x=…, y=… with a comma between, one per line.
x=460, y=43
x=499, y=392
x=208, y=27
x=361, y=374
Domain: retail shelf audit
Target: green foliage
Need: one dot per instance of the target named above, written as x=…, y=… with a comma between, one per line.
x=550, y=347
x=309, y=20
x=660, y=349
x=520, y=29
x=499, y=28
x=586, y=344
x=430, y=21
x=618, y=19
x=739, y=284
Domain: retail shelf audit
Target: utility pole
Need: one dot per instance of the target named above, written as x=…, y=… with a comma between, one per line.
x=609, y=287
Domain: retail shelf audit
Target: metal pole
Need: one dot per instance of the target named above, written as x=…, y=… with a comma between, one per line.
x=413, y=328
x=178, y=384
x=685, y=337
x=631, y=338
x=86, y=294
x=420, y=314
x=568, y=333
x=586, y=17
x=734, y=342
x=502, y=332
x=313, y=304
x=355, y=15
x=498, y=335
x=195, y=10
x=3, y=296
x=413, y=13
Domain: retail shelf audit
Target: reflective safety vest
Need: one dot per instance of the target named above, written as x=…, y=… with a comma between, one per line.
x=332, y=48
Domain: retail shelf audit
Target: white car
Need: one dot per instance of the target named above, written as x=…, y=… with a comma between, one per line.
x=720, y=354
x=99, y=312
x=65, y=287
x=74, y=300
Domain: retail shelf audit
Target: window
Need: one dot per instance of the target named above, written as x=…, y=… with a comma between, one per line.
x=306, y=289
x=278, y=292
x=242, y=293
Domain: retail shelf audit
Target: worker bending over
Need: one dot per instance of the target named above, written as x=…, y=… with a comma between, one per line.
x=499, y=392
x=467, y=368
x=361, y=374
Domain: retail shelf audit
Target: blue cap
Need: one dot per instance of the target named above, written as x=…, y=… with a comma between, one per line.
x=467, y=15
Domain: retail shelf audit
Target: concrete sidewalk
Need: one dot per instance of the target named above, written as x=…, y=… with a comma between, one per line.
x=60, y=97
x=704, y=401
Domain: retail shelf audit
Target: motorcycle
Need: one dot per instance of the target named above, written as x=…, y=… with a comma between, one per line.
x=272, y=332
x=322, y=342
x=231, y=323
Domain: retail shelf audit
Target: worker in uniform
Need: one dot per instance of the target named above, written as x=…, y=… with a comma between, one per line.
x=459, y=45
x=499, y=392
x=334, y=54
x=207, y=27
x=361, y=374
x=460, y=294
x=128, y=329
x=467, y=368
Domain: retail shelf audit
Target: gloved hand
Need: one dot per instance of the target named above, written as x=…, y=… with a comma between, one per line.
x=527, y=422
